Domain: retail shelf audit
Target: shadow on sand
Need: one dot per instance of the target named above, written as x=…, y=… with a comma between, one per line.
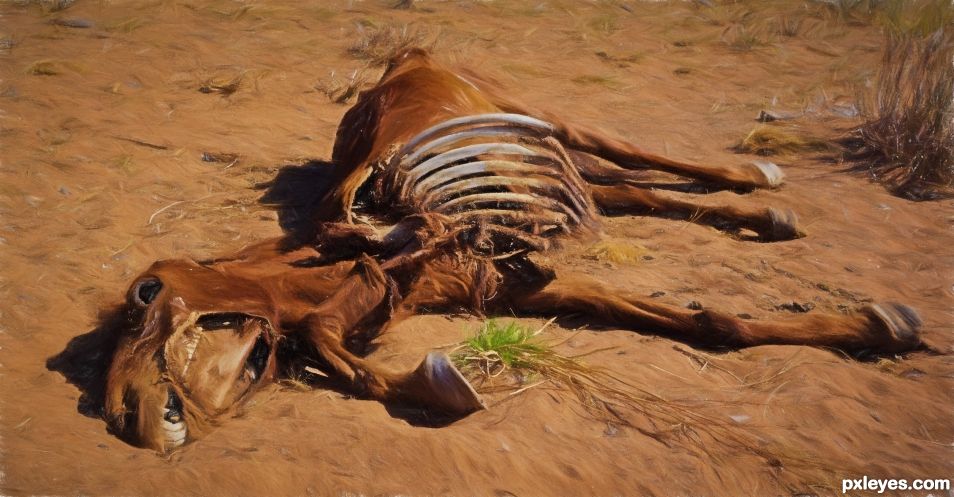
x=86, y=359
x=296, y=193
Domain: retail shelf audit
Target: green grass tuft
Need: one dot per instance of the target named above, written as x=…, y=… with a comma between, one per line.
x=497, y=347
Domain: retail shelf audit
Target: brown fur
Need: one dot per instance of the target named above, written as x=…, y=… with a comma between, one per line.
x=353, y=279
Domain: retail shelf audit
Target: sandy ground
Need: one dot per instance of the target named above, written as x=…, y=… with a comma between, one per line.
x=102, y=131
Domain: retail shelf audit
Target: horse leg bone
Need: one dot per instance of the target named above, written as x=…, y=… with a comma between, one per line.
x=435, y=384
x=771, y=224
x=883, y=327
x=758, y=174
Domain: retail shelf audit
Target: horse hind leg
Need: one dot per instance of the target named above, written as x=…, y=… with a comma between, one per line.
x=756, y=174
x=885, y=328
x=771, y=224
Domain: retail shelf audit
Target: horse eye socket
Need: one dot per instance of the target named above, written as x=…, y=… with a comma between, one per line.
x=146, y=292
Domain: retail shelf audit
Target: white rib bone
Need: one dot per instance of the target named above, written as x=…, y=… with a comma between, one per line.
x=483, y=166
x=549, y=186
x=485, y=132
x=536, y=183
x=434, y=163
x=517, y=217
x=477, y=120
x=522, y=198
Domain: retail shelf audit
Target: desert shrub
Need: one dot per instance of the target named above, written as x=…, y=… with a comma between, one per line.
x=377, y=45
x=344, y=91
x=907, y=140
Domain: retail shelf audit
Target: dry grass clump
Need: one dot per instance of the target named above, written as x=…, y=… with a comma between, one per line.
x=378, y=45
x=740, y=38
x=223, y=86
x=497, y=349
x=620, y=61
x=227, y=81
x=776, y=140
x=126, y=25
x=44, y=68
x=616, y=252
x=52, y=67
x=343, y=91
x=605, y=24
x=854, y=11
x=6, y=43
x=908, y=137
x=789, y=26
x=596, y=80
x=47, y=6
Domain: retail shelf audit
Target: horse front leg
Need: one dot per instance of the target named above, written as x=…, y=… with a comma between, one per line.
x=435, y=384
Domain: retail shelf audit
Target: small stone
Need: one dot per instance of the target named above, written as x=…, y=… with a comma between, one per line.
x=72, y=22
x=912, y=373
x=796, y=307
x=694, y=305
x=64, y=191
x=221, y=158
x=767, y=116
x=656, y=294
x=611, y=430
x=743, y=315
x=845, y=110
x=740, y=418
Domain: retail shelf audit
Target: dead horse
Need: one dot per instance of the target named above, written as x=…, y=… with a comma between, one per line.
x=476, y=186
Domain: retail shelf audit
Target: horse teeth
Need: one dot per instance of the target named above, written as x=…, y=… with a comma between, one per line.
x=171, y=427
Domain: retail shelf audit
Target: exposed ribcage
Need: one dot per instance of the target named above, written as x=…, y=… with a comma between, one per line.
x=502, y=170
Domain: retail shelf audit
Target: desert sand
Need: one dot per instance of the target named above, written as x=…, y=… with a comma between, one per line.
x=106, y=110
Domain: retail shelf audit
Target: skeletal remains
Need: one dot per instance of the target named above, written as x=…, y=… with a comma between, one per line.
x=473, y=189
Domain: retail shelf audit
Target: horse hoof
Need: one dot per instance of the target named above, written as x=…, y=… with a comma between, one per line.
x=901, y=322
x=772, y=174
x=784, y=225
x=443, y=388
